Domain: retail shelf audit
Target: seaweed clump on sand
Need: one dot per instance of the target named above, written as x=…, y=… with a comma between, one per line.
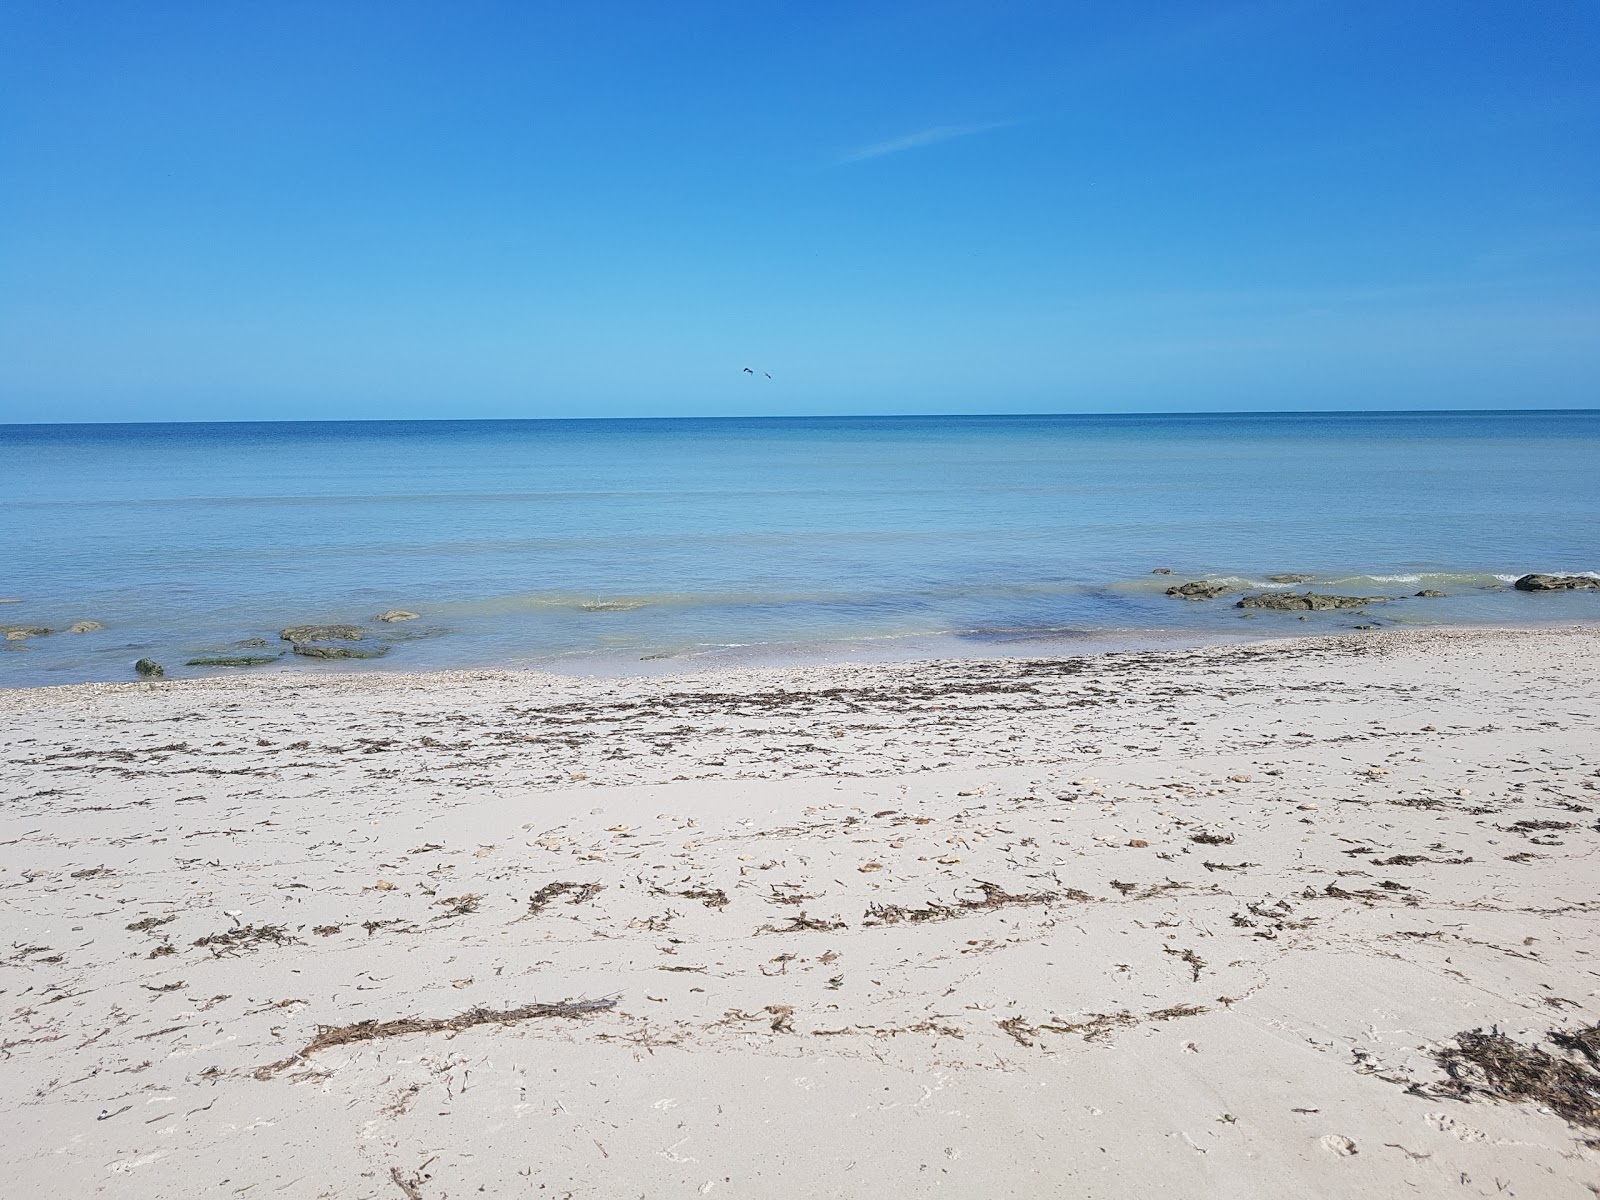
x=1496, y=1067
x=994, y=896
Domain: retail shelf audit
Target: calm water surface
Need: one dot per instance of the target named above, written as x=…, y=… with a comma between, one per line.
x=595, y=544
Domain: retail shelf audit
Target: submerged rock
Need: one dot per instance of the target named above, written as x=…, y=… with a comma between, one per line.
x=1290, y=578
x=396, y=614
x=1199, y=590
x=19, y=633
x=255, y=643
x=1429, y=593
x=85, y=627
x=413, y=634
x=233, y=660
x=149, y=668
x=320, y=650
x=1162, y=571
x=322, y=633
x=1313, y=600
x=1556, y=583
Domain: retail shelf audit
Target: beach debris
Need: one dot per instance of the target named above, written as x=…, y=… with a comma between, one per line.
x=1494, y=1066
x=85, y=627
x=396, y=614
x=580, y=893
x=459, y=906
x=320, y=650
x=1337, y=1143
x=1212, y=839
x=149, y=668
x=803, y=924
x=1315, y=601
x=993, y=897
x=244, y=938
x=709, y=896
x=867, y=867
x=372, y=1030
x=1556, y=583
x=1198, y=590
x=322, y=633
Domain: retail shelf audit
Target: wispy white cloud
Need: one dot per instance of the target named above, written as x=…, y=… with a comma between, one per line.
x=923, y=137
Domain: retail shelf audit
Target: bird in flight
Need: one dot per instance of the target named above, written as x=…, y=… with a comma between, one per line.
x=749, y=371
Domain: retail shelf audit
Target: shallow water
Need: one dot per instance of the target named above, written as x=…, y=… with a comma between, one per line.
x=600, y=544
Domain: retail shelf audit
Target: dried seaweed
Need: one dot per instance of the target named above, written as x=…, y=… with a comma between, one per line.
x=244, y=938
x=367, y=1031
x=802, y=924
x=994, y=897
x=710, y=897
x=1212, y=839
x=1496, y=1067
x=547, y=895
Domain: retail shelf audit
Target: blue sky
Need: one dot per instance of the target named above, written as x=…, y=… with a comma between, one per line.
x=385, y=208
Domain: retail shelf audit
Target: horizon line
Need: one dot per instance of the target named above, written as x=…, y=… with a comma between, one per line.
x=1309, y=412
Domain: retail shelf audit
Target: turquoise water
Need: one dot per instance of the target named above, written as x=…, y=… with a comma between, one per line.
x=596, y=545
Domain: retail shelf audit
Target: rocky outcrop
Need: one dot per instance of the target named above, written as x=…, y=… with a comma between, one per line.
x=322, y=650
x=149, y=668
x=85, y=627
x=1556, y=583
x=1429, y=593
x=21, y=633
x=322, y=633
x=1291, y=601
x=233, y=660
x=1199, y=590
x=1290, y=578
x=396, y=614
x=1162, y=571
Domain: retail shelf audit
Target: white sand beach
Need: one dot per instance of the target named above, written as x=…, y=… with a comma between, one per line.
x=1189, y=923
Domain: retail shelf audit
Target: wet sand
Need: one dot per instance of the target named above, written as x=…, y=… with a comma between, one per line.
x=1206, y=922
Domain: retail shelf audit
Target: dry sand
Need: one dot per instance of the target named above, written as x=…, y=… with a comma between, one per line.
x=1201, y=923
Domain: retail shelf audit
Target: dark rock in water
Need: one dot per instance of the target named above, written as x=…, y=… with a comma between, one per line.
x=255, y=643
x=149, y=668
x=1556, y=583
x=1162, y=571
x=85, y=627
x=1289, y=601
x=1429, y=592
x=413, y=634
x=396, y=614
x=233, y=660
x=318, y=650
x=322, y=633
x=1290, y=578
x=1199, y=590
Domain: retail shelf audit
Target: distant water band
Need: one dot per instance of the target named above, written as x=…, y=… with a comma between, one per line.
x=640, y=545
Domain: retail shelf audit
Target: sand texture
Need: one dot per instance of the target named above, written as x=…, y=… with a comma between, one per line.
x=1208, y=923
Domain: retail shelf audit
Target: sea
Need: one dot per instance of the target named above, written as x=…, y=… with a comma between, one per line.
x=646, y=546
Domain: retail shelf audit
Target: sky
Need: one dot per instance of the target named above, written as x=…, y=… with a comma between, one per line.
x=232, y=210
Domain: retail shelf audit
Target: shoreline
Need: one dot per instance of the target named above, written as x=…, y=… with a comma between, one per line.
x=1210, y=920
x=827, y=656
